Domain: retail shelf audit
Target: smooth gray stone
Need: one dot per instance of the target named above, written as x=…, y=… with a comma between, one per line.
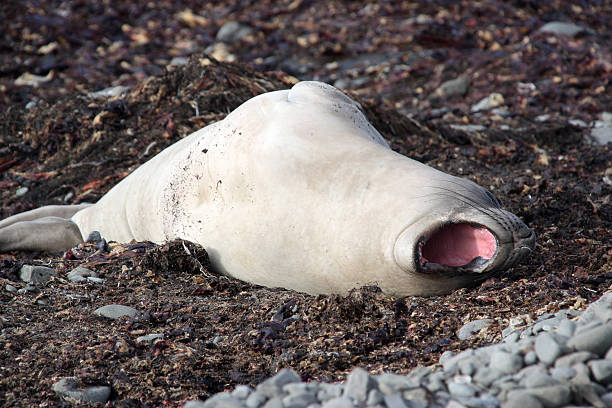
x=273, y=386
x=506, y=363
x=194, y=404
x=547, y=348
x=569, y=360
x=489, y=102
x=483, y=401
x=568, y=313
x=589, y=392
x=255, y=400
x=609, y=354
x=274, y=402
x=375, y=397
x=584, y=326
x=415, y=376
x=416, y=395
x=511, y=336
x=10, y=288
x=444, y=357
x=107, y=93
x=232, y=31
x=469, y=128
x=299, y=400
x=467, y=367
x=538, y=379
x=486, y=376
x=242, y=392
x=395, y=401
x=455, y=404
x=452, y=87
x=566, y=328
x=561, y=28
x=546, y=324
x=562, y=373
x=222, y=400
x=68, y=388
x=602, y=135
x=471, y=328
x=435, y=382
x=601, y=370
x=607, y=399
x=583, y=374
x=461, y=390
x=597, y=340
x=80, y=273
x=338, y=402
x=21, y=191
x=521, y=399
x=116, y=311
x=531, y=357
x=179, y=61
x=151, y=337
x=551, y=396
x=296, y=388
x=329, y=391
x=392, y=383
x=451, y=361
x=358, y=384
x=36, y=274
x=600, y=310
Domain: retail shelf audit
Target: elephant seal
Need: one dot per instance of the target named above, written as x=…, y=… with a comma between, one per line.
x=296, y=189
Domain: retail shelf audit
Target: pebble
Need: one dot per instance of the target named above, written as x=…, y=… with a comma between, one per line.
x=116, y=311
x=232, y=32
x=601, y=370
x=547, y=349
x=489, y=102
x=108, y=93
x=10, y=288
x=522, y=400
x=21, y=191
x=178, y=61
x=471, y=328
x=68, y=388
x=561, y=28
x=36, y=274
x=597, y=340
x=80, y=274
x=601, y=131
x=560, y=359
x=453, y=87
x=505, y=362
x=149, y=338
x=358, y=384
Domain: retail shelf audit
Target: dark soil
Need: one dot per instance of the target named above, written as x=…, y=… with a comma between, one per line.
x=67, y=147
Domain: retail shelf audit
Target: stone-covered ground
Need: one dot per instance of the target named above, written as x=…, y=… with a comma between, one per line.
x=533, y=146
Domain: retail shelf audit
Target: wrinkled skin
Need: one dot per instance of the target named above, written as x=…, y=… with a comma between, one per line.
x=296, y=189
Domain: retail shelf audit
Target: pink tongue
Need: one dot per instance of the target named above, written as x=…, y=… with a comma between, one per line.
x=459, y=244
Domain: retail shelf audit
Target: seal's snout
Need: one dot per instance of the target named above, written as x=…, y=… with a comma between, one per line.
x=525, y=243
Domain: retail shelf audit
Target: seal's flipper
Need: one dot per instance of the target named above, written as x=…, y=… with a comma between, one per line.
x=53, y=234
x=61, y=211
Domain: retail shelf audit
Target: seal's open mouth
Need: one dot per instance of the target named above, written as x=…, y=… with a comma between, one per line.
x=463, y=246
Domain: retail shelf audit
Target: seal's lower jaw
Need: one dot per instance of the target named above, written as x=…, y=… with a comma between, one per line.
x=460, y=247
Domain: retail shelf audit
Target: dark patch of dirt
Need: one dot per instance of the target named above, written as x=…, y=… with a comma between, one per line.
x=67, y=147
